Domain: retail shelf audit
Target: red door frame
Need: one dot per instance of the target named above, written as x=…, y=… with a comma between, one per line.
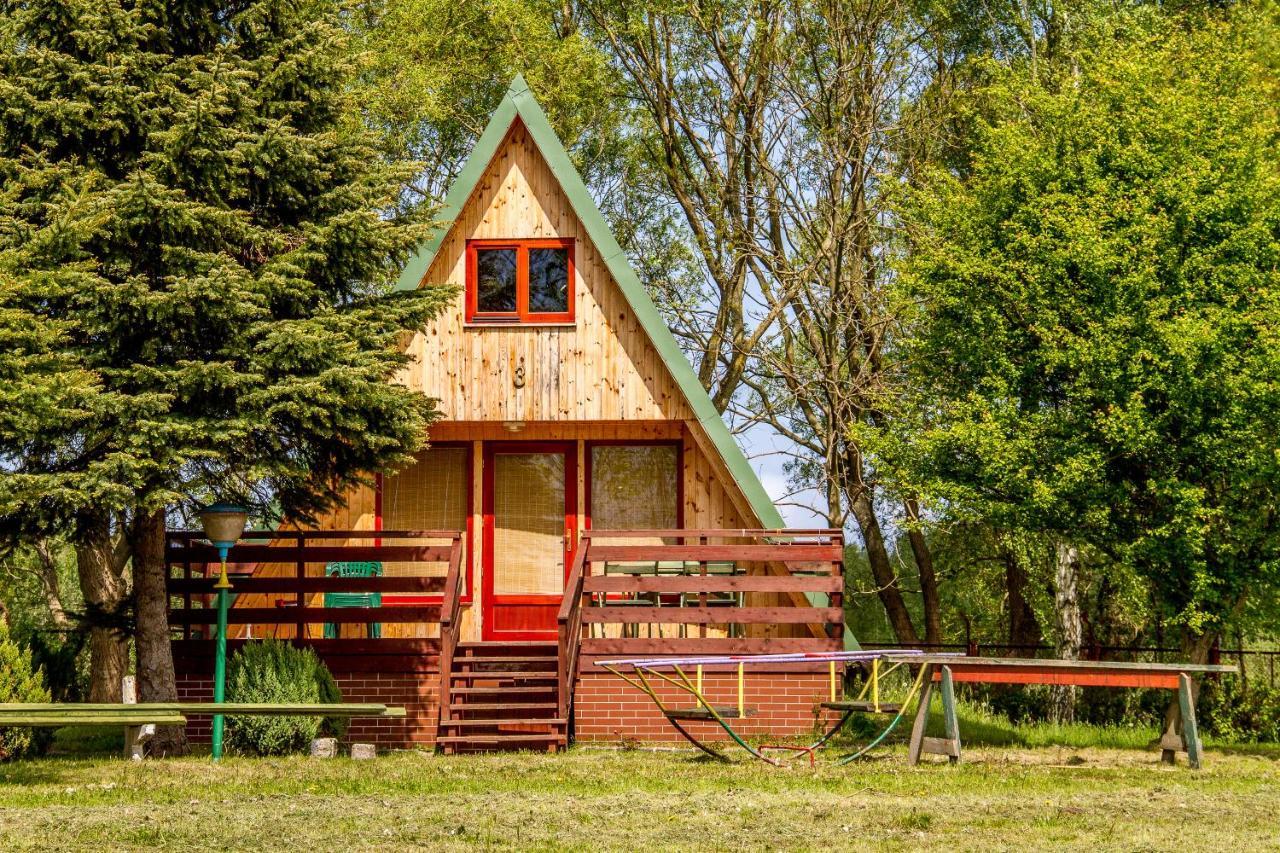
x=488, y=599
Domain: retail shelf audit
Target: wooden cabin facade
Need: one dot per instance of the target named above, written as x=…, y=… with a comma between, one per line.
x=569, y=413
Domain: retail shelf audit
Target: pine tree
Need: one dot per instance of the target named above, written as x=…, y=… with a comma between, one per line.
x=205, y=239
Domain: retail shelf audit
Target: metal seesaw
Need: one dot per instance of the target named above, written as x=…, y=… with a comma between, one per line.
x=645, y=673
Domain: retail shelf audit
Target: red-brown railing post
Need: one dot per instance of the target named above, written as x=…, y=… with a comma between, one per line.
x=450, y=609
x=569, y=628
x=299, y=598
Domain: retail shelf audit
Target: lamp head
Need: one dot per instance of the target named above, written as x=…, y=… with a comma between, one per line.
x=223, y=524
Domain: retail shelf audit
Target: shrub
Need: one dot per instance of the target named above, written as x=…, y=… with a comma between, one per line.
x=272, y=671
x=1235, y=712
x=20, y=681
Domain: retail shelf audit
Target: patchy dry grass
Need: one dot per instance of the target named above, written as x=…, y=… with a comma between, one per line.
x=999, y=798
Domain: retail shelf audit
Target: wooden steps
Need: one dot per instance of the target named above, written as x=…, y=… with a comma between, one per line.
x=502, y=696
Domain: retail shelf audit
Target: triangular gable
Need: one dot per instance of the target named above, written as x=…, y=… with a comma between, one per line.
x=520, y=103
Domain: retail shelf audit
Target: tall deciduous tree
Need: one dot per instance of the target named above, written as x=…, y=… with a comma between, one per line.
x=432, y=71
x=1099, y=295
x=207, y=234
x=770, y=129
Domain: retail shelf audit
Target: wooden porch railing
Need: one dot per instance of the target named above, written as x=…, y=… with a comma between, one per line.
x=569, y=627
x=450, y=619
x=283, y=601
x=803, y=567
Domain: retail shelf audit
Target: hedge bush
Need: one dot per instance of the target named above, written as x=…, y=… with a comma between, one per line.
x=273, y=671
x=1242, y=713
x=20, y=681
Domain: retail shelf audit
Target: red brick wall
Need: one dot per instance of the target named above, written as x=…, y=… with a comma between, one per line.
x=786, y=704
x=416, y=693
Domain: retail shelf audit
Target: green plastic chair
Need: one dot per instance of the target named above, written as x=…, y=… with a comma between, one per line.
x=353, y=599
x=724, y=599
x=638, y=568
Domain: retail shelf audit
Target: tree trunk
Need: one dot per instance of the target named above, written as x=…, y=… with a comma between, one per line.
x=1024, y=630
x=156, y=679
x=886, y=578
x=49, y=583
x=1195, y=649
x=928, y=577
x=1066, y=599
x=104, y=590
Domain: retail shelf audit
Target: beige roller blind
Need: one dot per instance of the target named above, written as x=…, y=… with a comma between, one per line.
x=528, y=523
x=429, y=494
x=634, y=487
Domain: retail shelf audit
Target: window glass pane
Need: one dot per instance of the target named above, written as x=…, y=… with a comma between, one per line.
x=548, y=280
x=496, y=280
x=633, y=487
x=428, y=494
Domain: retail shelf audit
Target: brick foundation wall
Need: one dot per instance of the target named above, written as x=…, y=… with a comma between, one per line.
x=415, y=692
x=606, y=709
x=786, y=704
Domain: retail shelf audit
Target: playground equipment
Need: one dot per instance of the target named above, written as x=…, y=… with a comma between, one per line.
x=645, y=674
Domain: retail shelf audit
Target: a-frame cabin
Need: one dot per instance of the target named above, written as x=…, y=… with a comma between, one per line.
x=568, y=411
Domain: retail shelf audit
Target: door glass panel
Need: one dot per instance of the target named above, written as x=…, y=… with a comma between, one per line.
x=548, y=281
x=528, y=523
x=496, y=281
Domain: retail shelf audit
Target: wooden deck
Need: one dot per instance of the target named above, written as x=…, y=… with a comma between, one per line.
x=628, y=592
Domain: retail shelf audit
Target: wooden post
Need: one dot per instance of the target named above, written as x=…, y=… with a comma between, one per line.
x=951, y=723
x=1190, y=732
x=135, y=737
x=922, y=715
x=299, y=598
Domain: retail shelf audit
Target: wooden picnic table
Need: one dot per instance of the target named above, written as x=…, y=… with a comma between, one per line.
x=946, y=670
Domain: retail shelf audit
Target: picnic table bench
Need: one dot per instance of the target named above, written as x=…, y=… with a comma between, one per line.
x=946, y=670
x=140, y=719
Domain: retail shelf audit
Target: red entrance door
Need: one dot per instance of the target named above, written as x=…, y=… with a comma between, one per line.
x=530, y=509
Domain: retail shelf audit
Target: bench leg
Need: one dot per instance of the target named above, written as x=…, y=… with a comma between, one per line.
x=922, y=715
x=135, y=737
x=1190, y=731
x=1183, y=734
x=950, y=721
x=948, y=745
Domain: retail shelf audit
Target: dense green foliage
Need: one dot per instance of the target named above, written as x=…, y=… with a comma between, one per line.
x=272, y=671
x=1094, y=345
x=196, y=222
x=20, y=681
x=433, y=70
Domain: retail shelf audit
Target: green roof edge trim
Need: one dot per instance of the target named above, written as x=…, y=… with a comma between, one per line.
x=519, y=102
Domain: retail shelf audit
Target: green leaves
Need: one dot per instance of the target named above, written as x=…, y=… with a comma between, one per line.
x=197, y=245
x=1099, y=294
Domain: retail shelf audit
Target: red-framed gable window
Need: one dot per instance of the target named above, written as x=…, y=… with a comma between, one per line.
x=520, y=281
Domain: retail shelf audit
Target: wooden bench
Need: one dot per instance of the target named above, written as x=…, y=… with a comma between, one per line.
x=946, y=670
x=139, y=720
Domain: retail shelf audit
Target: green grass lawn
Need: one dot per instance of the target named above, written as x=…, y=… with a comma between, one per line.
x=1000, y=797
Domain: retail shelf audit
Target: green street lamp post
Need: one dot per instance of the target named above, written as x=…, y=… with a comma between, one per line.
x=223, y=525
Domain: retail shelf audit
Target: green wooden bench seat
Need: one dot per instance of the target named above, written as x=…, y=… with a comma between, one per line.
x=171, y=713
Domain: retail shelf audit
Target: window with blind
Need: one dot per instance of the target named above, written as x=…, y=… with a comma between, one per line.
x=431, y=493
x=635, y=486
